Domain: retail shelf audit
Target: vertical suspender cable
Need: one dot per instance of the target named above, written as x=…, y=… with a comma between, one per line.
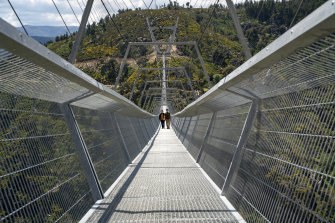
x=117, y=4
x=209, y=20
x=132, y=4
x=92, y=12
x=124, y=4
x=73, y=11
x=82, y=9
x=17, y=16
x=61, y=17
x=150, y=3
x=195, y=3
x=113, y=21
x=145, y=4
x=111, y=6
x=296, y=13
x=80, y=6
x=201, y=3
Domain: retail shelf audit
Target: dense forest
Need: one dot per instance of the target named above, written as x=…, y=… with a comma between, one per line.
x=105, y=42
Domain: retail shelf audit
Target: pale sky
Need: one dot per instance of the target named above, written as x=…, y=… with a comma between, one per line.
x=43, y=12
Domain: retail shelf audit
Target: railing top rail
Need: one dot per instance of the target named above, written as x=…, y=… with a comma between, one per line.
x=81, y=89
x=254, y=74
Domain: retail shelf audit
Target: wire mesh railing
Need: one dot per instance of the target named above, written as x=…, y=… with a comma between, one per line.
x=64, y=138
x=270, y=145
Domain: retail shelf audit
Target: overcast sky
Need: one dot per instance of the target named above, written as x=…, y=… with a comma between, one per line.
x=43, y=12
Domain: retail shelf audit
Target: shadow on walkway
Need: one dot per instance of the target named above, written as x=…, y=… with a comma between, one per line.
x=110, y=210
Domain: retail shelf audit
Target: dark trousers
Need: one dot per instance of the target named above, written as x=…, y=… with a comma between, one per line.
x=167, y=123
x=162, y=121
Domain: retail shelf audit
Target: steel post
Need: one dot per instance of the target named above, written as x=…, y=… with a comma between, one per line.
x=142, y=93
x=125, y=149
x=137, y=139
x=188, y=125
x=153, y=38
x=124, y=60
x=182, y=126
x=153, y=124
x=185, y=93
x=83, y=155
x=145, y=128
x=80, y=32
x=203, y=65
x=238, y=29
x=195, y=126
x=173, y=36
x=134, y=84
x=189, y=82
x=204, y=141
x=164, y=82
x=236, y=160
x=145, y=100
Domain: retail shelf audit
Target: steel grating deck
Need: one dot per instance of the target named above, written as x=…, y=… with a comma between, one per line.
x=164, y=184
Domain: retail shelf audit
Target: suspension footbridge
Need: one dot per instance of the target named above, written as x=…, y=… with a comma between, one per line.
x=258, y=146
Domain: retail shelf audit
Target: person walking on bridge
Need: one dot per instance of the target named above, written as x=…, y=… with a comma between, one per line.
x=167, y=118
x=162, y=118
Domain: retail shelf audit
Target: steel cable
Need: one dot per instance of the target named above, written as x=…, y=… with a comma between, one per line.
x=115, y=25
x=61, y=16
x=17, y=16
x=73, y=11
x=296, y=13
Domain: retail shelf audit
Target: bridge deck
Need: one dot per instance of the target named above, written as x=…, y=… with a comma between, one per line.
x=164, y=184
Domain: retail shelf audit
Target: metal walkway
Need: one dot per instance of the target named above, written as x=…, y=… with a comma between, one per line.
x=164, y=184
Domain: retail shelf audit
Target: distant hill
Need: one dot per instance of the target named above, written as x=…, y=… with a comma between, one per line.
x=47, y=31
x=43, y=39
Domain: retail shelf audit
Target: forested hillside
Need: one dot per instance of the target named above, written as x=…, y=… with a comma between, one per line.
x=104, y=46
